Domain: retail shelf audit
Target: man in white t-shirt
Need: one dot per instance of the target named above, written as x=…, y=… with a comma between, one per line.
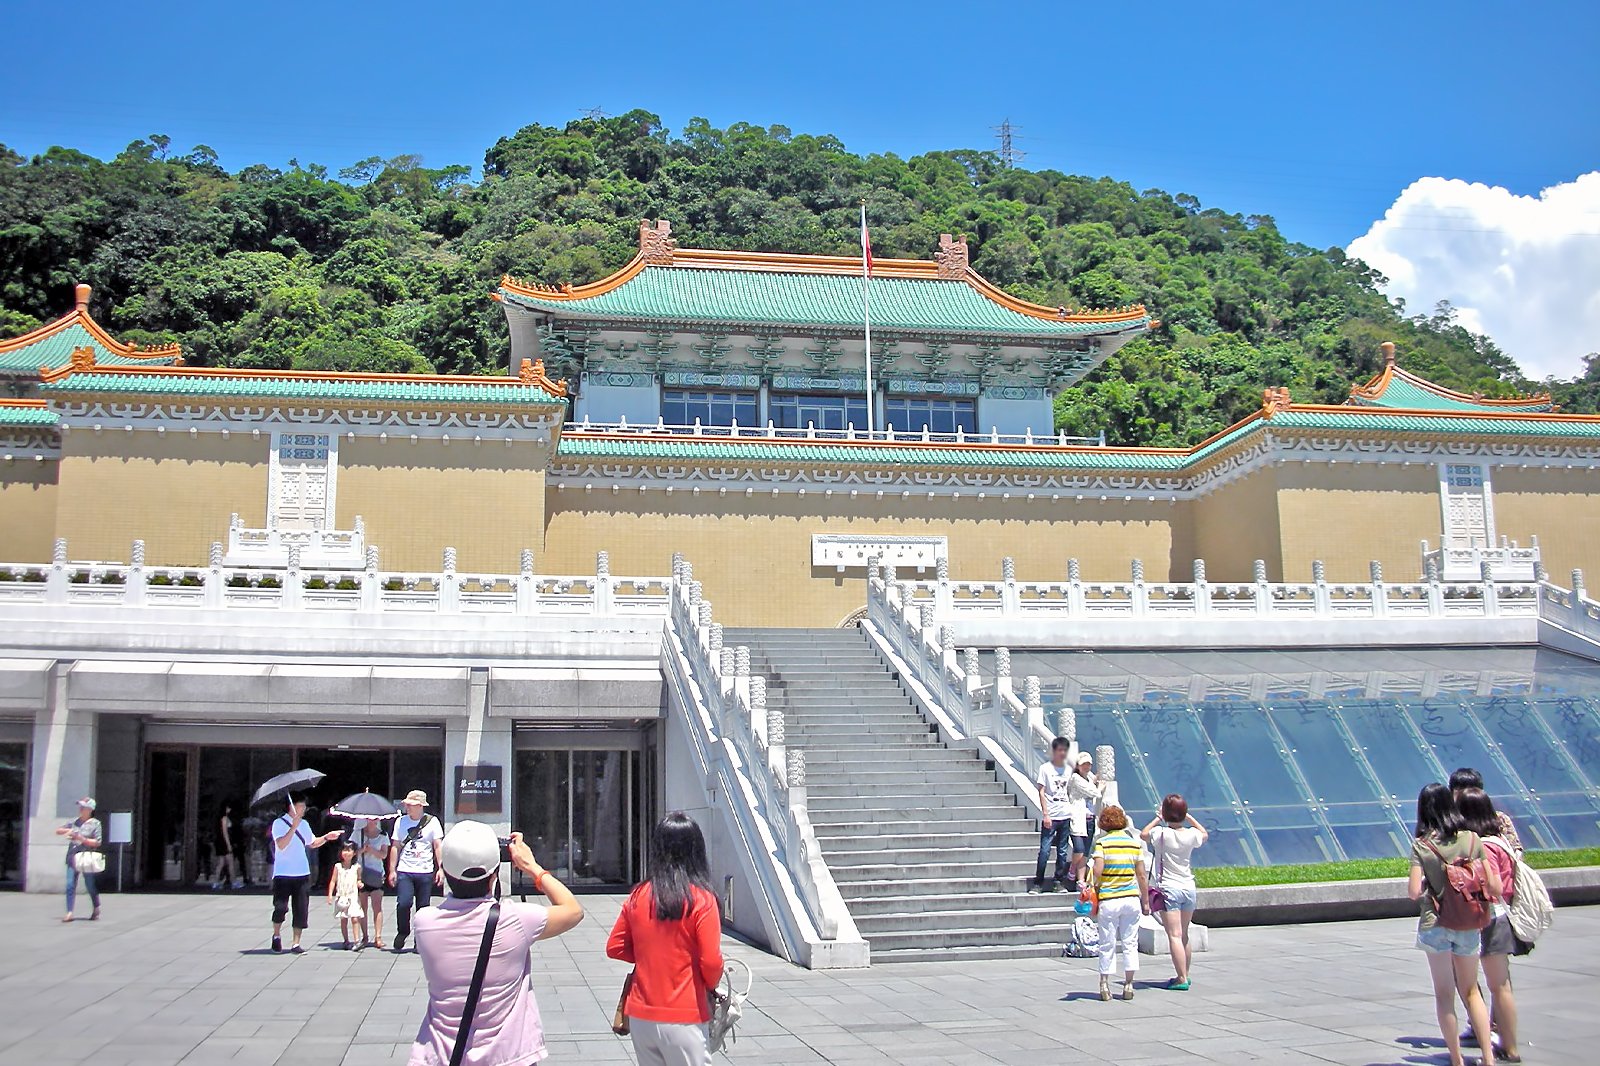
x=415, y=866
x=291, y=871
x=1055, y=827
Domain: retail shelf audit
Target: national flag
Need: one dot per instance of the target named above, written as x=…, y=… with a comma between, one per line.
x=866, y=243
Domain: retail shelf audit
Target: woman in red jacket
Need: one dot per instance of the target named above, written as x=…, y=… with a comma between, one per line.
x=671, y=930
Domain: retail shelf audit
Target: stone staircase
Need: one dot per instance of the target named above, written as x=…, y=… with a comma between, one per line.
x=931, y=854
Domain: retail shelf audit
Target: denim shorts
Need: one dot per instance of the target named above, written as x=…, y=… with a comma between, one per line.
x=1463, y=943
x=1178, y=897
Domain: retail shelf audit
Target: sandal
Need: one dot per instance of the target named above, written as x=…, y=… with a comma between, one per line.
x=1127, y=991
x=68, y=918
x=1105, y=990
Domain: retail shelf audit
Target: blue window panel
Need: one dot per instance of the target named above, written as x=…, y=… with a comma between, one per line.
x=1576, y=724
x=1105, y=724
x=1292, y=834
x=1368, y=830
x=1257, y=763
x=1326, y=756
x=1392, y=748
x=1178, y=757
x=1528, y=745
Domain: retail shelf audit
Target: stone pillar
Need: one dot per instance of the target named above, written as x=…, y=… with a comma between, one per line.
x=62, y=772
x=475, y=738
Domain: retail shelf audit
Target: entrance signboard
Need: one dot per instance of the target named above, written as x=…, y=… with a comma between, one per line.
x=478, y=789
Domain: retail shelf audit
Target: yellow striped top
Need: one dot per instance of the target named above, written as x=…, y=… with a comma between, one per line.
x=1118, y=876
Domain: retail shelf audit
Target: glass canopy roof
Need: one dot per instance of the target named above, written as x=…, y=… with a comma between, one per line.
x=1306, y=756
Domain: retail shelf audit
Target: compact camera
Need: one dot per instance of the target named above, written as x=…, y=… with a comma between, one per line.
x=505, y=849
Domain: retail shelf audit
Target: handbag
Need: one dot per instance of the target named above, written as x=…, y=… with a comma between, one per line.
x=89, y=861
x=475, y=990
x=1158, y=898
x=727, y=1007
x=619, y=1020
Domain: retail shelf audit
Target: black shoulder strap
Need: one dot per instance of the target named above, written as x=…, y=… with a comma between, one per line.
x=470, y=1008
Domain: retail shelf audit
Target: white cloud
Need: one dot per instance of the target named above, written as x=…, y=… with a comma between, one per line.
x=1523, y=269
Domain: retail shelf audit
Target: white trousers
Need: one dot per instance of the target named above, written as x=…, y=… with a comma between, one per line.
x=668, y=1044
x=1119, y=928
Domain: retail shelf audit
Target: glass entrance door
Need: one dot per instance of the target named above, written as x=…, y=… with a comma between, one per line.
x=580, y=812
x=13, y=793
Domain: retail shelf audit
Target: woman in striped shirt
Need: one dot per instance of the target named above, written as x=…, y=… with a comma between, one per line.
x=1123, y=889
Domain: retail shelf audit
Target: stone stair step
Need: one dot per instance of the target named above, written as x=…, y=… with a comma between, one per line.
x=850, y=808
x=890, y=827
x=932, y=903
x=843, y=844
x=966, y=954
x=874, y=925
x=1042, y=936
x=904, y=871
x=932, y=776
x=904, y=793
x=1018, y=857
x=900, y=887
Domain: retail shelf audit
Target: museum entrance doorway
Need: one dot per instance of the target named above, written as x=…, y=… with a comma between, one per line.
x=584, y=800
x=189, y=785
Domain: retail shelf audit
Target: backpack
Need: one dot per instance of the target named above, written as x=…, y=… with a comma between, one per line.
x=1464, y=905
x=1531, y=910
x=1084, y=941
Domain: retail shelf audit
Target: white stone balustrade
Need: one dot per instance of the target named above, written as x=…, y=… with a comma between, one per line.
x=301, y=585
x=742, y=745
x=1508, y=560
x=322, y=549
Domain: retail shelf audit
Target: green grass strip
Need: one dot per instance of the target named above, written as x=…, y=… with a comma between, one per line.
x=1362, y=869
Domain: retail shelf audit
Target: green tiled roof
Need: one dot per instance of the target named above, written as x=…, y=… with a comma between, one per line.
x=56, y=350
x=1404, y=392
x=13, y=415
x=421, y=390
x=1045, y=457
x=910, y=305
x=1512, y=425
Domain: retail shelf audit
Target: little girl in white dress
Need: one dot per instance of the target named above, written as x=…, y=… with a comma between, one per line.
x=344, y=893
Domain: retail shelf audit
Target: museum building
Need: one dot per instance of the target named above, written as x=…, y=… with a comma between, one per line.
x=392, y=576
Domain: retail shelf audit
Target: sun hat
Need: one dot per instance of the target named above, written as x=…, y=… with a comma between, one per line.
x=416, y=795
x=471, y=851
x=87, y=802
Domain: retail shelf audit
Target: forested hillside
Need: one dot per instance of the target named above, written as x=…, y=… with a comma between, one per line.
x=387, y=264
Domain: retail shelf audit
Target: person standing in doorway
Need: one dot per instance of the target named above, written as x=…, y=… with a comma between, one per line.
x=373, y=846
x=291, y=872
x=415, y=862
x=84, y=836
x=224, y=845
x=1055, y=823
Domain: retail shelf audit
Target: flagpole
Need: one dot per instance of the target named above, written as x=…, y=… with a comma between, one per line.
x=866, y=315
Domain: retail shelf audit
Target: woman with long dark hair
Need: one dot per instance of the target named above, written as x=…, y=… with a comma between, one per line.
x=1444, y=839
x=670, y=928
x=1499, y=940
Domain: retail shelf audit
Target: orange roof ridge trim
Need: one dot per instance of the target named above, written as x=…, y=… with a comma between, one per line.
x=1376, y=386
x=657, y=248
x=80, y=316
x=532, y=373
x=21, y=402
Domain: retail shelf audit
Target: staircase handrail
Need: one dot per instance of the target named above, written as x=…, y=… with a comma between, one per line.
x=748, y=747
x=965, y=707
x=1571, y=609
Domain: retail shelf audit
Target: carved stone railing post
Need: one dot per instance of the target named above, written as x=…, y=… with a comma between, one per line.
x=527, y=592
x=947, y=649
x=971, y=683
x=741, y=677
x=1105, y=768
x=1067, y=725
x=138, y=580
x=758, y=709
x=1077, y=602
x=294, y=585
x=1033, y=722
x=714, y=642
x=943, y=596
x=1002, y=689
x=874, y=570
x=1320, y=594
x=1578, y=591
x=1141, y=592
x=929, y=635
x=1491, y=592
x=1202, y=589
x=603, y=590
x=55, y=579
x=1430, y=572
x=705, y=614
x=1010, y=598
x=449, y=587
x=214, y=586
x=369, y=581
x=1380, y=592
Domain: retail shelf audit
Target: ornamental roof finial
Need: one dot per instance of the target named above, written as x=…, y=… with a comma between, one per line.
x=1274, y=400
x=951, y=257
x=82, y=293
x=655, y=242
x=82, y=358
x=1387, y=348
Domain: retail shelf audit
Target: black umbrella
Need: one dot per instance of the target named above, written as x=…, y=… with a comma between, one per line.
x=367, y=804
x=293, y=781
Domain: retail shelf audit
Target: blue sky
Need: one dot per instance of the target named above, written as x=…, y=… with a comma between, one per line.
x=1317, y=115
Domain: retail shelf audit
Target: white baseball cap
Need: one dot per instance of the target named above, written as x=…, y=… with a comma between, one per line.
x=471, y=851
x=87, y=803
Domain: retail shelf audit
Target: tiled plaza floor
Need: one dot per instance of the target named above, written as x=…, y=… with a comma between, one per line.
x=187, y=979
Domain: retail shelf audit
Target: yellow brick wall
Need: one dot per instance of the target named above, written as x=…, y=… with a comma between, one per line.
x=753, y=554
x=484, y=500
x=27, y=510
x=1233, y=527
x=1348, y=514
x=174, y=491
x=1560, y=507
